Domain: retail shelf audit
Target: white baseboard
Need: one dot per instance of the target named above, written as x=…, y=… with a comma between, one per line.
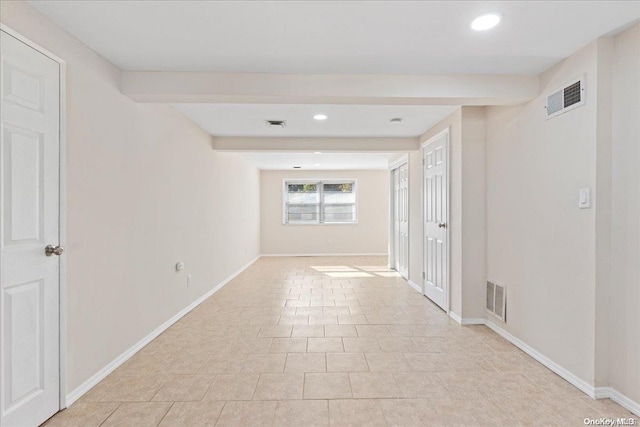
x=581, y=384
x=591, y=391
x=465, y=321
x=619, y=398
x=473, y=321
x=455, y=317
x=301, y=255
x=102, y=373
x=624, y=401
x=414, y=285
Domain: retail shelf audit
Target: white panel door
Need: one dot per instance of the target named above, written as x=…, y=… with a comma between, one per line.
x=396, y=219
x=29, y=210
x=403, y=219
x=400, y=211
x=435, y=217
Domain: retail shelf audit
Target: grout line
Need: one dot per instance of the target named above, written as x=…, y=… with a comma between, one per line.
x=221, y=410
x=165, y=414
x=110, y=414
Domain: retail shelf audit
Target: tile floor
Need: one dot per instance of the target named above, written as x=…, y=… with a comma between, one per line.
x=329, y=341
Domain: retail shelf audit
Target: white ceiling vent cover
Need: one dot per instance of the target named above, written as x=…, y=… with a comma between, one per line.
x=497, y=300
x=571, y=95
x=276, y=123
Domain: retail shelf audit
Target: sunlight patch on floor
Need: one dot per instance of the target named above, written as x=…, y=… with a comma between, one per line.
x=349, y=274
x=326, y=268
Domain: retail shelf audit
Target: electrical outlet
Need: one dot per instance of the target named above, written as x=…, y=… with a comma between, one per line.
x=188, y=280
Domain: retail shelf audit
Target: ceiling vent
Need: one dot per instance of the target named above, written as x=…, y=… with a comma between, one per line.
x=497, y=300
x=571, y=95
x=276, y=123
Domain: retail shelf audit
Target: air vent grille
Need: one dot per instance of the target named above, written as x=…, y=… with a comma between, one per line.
x=276, y=123
x=497, y=300
x=491, y=295
x=570, y=96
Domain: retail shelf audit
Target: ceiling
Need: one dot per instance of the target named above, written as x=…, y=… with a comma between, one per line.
x=332, y=37
x=346, y=37
x=343, y=120
x=322, y=161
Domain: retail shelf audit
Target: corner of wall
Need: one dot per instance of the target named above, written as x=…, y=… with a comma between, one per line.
x=603, y=194
x=473, y=170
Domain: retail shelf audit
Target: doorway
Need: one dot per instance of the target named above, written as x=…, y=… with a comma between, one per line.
x=30, y=233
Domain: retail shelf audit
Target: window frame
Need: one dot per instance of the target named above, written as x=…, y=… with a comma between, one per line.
x=320, y=182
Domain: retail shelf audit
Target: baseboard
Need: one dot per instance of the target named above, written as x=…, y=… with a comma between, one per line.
x=102, y=373
x=473, y=321
x=624, y=401
x=414, y=285
x=455, y=317
x=591, y=391
x=619, y=398
x=581, y=384
x=301, y=255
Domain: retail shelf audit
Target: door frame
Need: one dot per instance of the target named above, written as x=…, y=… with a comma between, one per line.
x=447, y=292
x=62, y=214
x=400, y=161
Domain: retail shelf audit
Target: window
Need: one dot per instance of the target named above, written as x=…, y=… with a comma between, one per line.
x=320, y=202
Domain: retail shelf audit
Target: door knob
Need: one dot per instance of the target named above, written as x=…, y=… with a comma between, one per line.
x=442, y=225
x=51, y=250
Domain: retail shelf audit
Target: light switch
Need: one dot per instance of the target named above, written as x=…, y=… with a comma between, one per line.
x=584, y=200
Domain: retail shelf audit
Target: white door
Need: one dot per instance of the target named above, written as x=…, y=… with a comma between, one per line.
x=396, y=219
x=435, y=216
x=403, y=216
x=29, y=212
x=401, y=219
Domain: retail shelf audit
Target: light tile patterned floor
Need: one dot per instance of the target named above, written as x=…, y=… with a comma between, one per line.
x=329, y=341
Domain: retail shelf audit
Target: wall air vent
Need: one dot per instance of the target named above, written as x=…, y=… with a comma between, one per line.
x=497, y=300
x=276, y=123
x=571, y=95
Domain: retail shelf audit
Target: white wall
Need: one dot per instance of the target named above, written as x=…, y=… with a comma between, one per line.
x=624, y=291
x=573, y=275
x=541, y=246
x=145, y=190
x=473, y=211
x=369, y=236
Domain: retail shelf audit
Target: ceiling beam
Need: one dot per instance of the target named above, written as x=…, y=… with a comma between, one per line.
x=362, y=89
x=330, y=145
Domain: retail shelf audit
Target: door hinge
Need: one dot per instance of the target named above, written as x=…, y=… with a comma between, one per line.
x=424, y=275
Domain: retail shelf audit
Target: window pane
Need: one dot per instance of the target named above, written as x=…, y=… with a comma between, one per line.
x=339, y=193
x=302, y=193
x=339, y=213
x=302, y=213
x=343, y=186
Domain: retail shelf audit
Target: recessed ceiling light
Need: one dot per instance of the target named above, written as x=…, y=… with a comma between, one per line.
x=486, y=21
x=317, y=164
x=317, y=152
x=396, y=120
x=320, y=117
